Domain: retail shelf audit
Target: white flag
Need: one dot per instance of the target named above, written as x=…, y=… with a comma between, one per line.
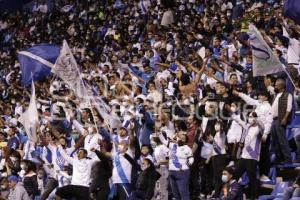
x=264, y=61
x=29, y=118
x=105, y=111
x=66, y=8
x=66, y=68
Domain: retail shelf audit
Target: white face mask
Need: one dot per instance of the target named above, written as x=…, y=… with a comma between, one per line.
x=144, y=167
x=217, y=127
x=224, y=178
x=206, y=108
x=13, y=159
x=251, y=120
x=22, y=166
x=90, y=130
x=233, y=109
x=121, y=147
x=153, y=144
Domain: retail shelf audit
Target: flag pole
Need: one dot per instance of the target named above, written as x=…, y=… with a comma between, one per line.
x=289, y=76
x=89, y=99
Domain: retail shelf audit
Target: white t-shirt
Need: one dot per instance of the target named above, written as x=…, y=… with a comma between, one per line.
x=220, y=142
x=234, y=133
x=251, y=140
x=125, y=167
x=81, y=169
x=183, y=156
x=161, y=152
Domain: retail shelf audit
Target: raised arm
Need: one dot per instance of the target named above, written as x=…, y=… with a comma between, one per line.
x=106, y=161
x=246, y=98
x=135, y=71
x=239, y=121
x=105, y=134
x=78, y=126
x=199, y=74
x=65, y=155
x=164, y=140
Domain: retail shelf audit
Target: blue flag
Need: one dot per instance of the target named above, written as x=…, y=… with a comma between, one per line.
x=292, y=10
x=37, y=62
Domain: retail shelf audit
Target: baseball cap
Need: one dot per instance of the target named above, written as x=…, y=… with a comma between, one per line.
x=13, y=178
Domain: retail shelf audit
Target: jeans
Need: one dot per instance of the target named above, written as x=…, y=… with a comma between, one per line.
x=179, y=181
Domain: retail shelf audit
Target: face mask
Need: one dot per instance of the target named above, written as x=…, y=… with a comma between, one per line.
x=22, y=166
x=217, y=127
x=153, y=144
x=251, y=120
x=233, y=109
x=180, y=143
x=90, y=130
x=13, y=159
x=121, y=147
x=206, y=108
x=3, y=187
x=224, y=178
x=144, y=167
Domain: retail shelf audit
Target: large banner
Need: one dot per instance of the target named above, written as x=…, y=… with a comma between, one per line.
x=264, y=61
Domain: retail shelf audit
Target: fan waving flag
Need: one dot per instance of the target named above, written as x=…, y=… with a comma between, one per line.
x=36, y=62
x=29, y=118
x=66, y=69
x=264, y=61
x=292, y=10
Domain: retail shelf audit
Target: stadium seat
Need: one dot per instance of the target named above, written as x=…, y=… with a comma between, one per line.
x=276, y=193
x=272, y=176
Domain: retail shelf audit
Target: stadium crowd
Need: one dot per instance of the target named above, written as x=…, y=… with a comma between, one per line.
x=178, y=74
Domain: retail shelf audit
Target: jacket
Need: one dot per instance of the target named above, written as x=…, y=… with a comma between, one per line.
x=31, y=185
x=235, y=192
x=101, y=172
x=18, y=193
x=146, y=182
x=146, y=128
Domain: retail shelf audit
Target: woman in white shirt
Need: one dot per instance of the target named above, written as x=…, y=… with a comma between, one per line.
x=218, y=156
x=181, y=158
x=161, y=157
x=234, y=131
x=251, y=140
